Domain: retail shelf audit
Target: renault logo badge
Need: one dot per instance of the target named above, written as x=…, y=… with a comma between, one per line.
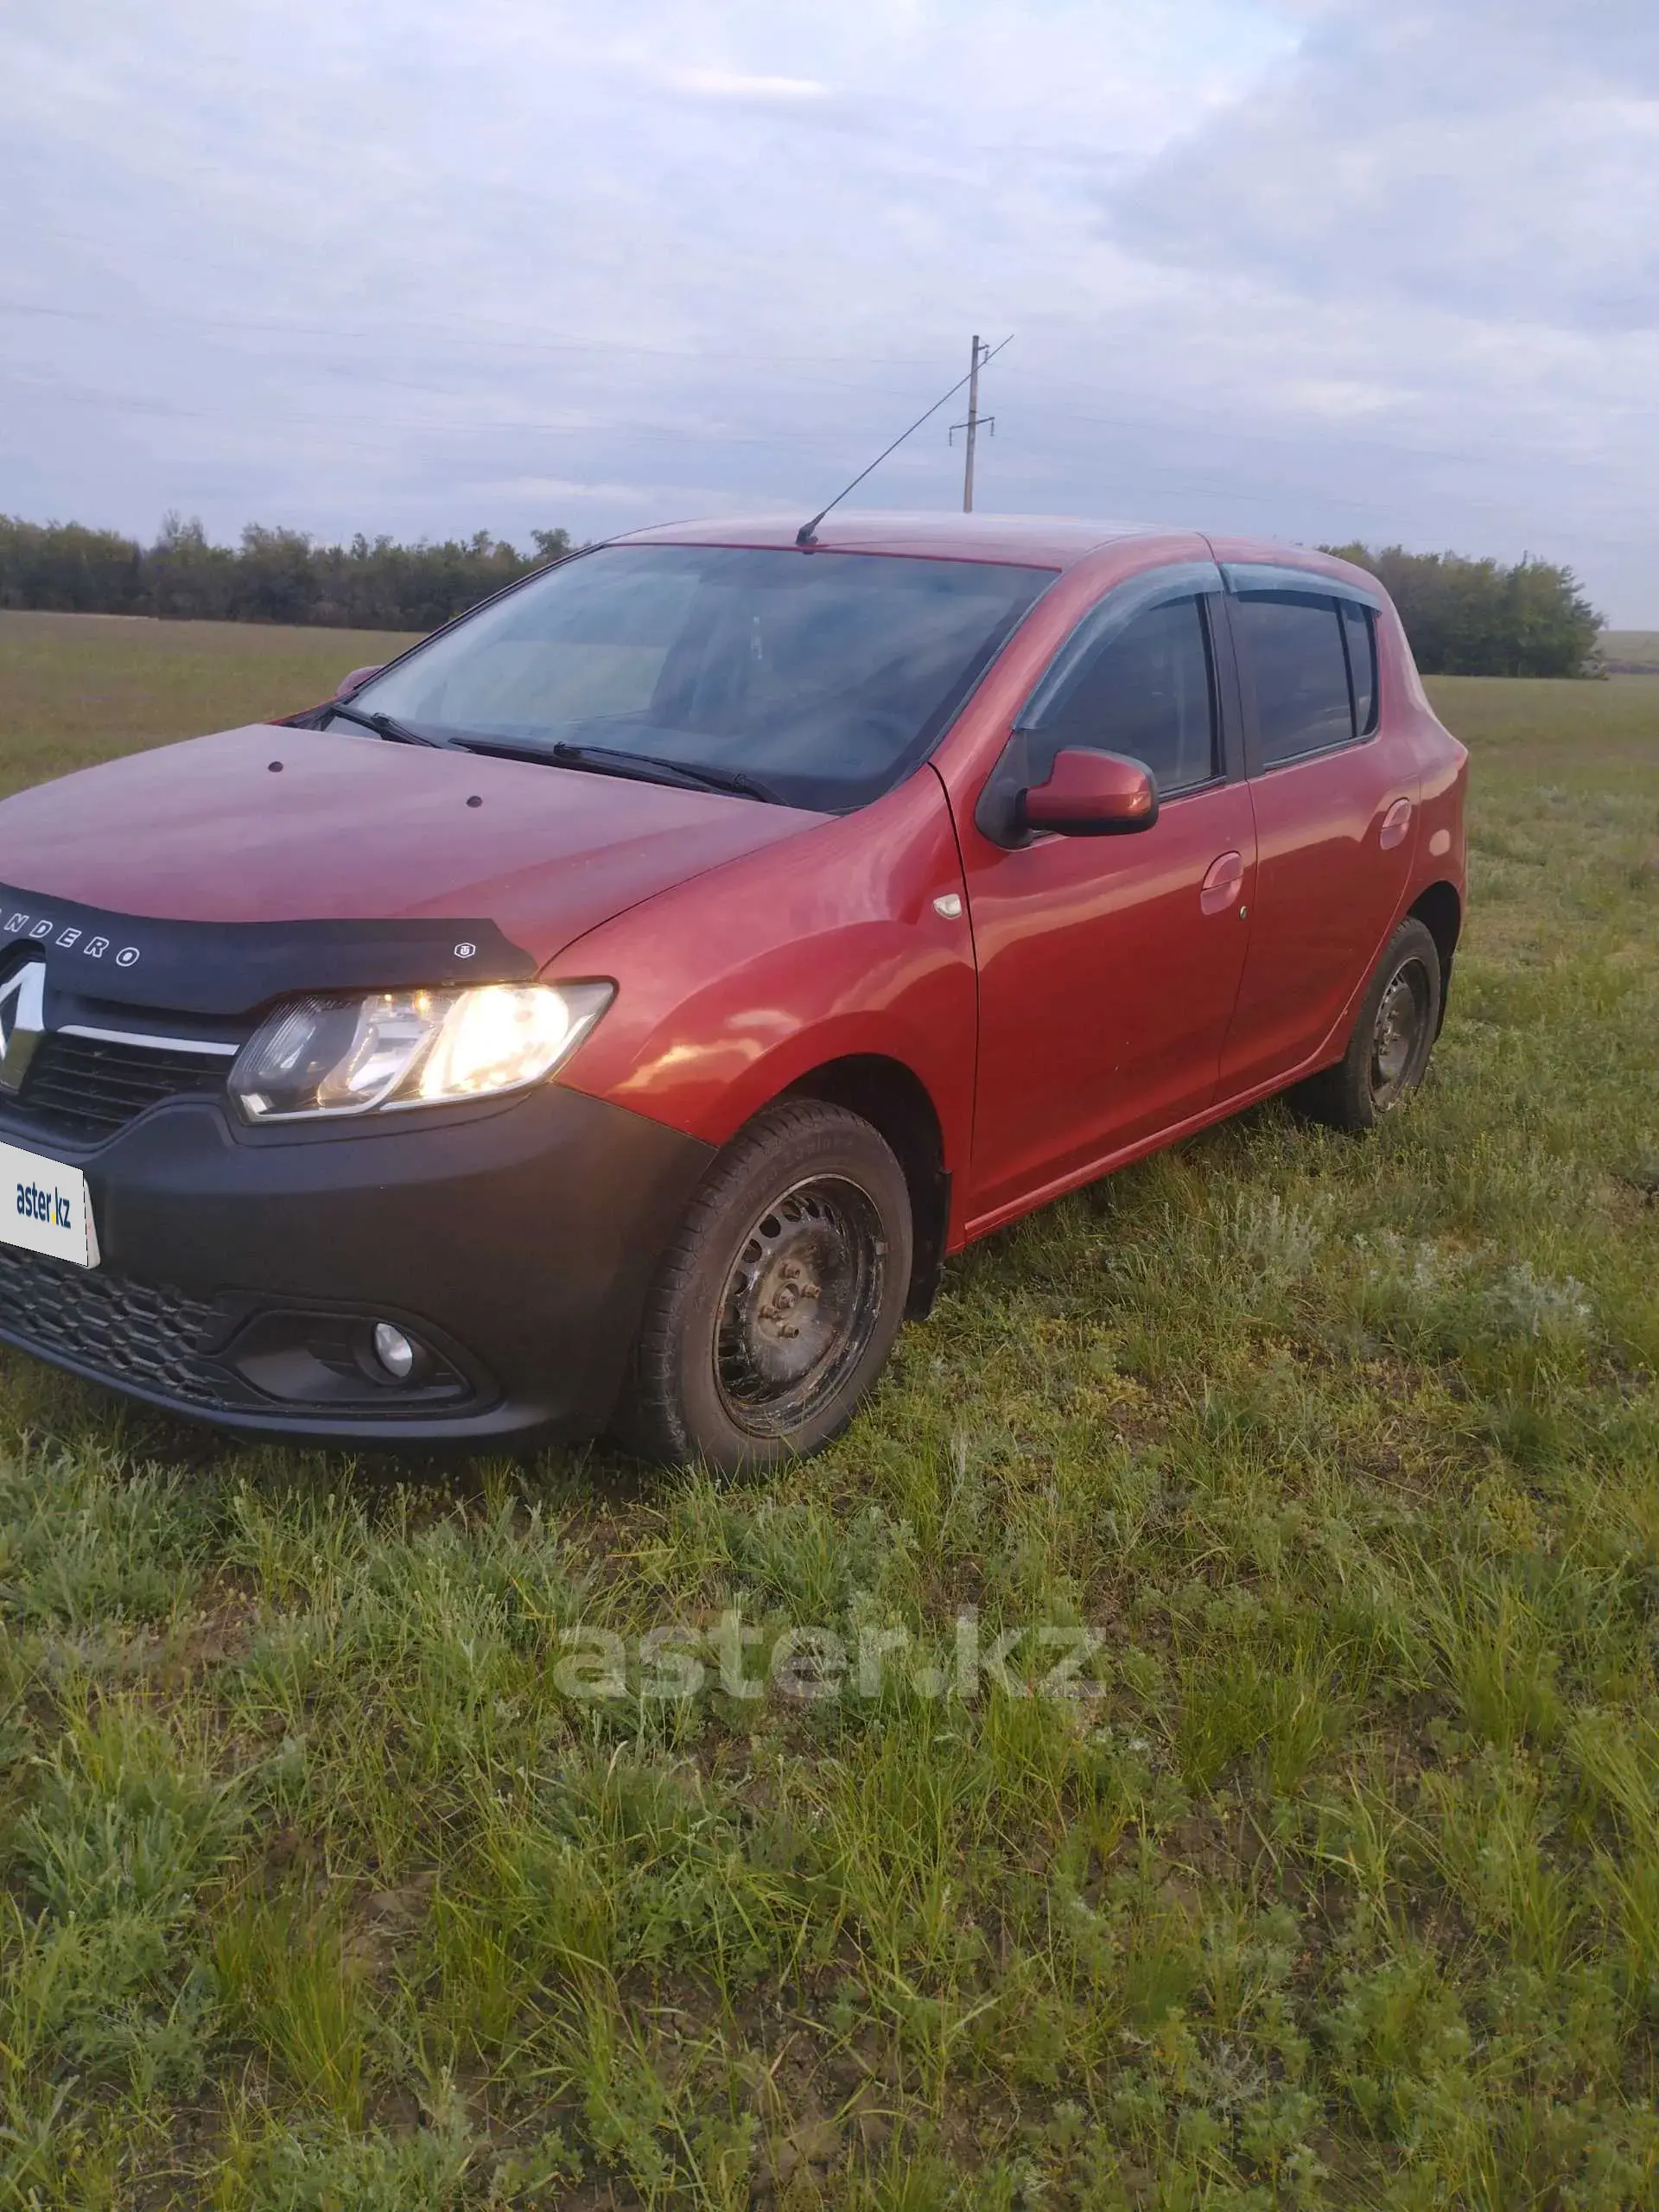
x=22, y=1022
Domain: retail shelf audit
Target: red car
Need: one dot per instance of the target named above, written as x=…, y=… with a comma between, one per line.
x=612, y=1014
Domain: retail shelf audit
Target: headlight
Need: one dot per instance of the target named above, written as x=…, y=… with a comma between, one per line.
x=410, y=1048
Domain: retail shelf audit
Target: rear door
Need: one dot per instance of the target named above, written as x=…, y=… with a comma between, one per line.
x=1335, y=799
x=1108, y=966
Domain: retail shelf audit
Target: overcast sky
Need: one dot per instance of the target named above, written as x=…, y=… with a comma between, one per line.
x=1317, y=269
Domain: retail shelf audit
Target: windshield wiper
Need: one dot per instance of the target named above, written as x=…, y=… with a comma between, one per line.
x=690, y=772
x=383, y=726
x=648, y=767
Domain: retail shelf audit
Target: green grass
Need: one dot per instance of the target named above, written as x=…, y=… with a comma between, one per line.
x=77, y=688
x=1341, y=1887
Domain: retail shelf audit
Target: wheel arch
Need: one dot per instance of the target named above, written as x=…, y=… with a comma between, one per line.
x=896, y=1102
x=1440, y=910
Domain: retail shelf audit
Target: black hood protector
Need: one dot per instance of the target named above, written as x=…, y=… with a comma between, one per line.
x=237, y=968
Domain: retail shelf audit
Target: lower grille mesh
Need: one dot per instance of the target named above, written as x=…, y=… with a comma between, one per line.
x=139, y=1333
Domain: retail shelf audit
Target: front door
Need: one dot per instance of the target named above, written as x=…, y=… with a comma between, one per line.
x=1334, y=795
x=1108, y=966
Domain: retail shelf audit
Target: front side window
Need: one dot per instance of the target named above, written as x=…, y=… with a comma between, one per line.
x=824, y=677
x=1148, y=690
x=1296, y=664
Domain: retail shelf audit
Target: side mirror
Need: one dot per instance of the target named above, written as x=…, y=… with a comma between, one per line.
x=356, y=679
x=1091, y=795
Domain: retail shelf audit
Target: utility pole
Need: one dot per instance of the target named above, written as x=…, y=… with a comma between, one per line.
x=971, y=426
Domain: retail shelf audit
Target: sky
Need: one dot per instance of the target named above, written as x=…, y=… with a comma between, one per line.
x=1314, y=270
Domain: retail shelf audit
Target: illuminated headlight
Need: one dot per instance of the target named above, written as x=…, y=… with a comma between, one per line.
x=397, y=1049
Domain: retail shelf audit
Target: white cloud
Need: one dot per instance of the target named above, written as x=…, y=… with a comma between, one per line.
x=734, y=85
x=1490, y=157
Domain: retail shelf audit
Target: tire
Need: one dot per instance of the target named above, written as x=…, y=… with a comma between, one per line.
x=776, y=1304
x=1392, y=1038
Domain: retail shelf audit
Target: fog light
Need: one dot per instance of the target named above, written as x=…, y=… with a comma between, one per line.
x=394, y=1351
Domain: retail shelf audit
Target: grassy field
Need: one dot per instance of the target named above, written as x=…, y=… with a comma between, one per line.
x=77, y=688
x=332, y=1873
x=1630, y=651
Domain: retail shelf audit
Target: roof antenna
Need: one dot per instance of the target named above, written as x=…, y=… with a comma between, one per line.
x=807, y=536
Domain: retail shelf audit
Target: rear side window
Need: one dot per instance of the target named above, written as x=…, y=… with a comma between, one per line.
x=1296, y=662
x=1360, y=631
x=1148, y=691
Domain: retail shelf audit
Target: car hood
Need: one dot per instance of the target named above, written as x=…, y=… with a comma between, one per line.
x=269, y=824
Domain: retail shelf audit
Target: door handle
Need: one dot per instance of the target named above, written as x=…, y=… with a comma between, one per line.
x=1223, y=881
x=1395, y=822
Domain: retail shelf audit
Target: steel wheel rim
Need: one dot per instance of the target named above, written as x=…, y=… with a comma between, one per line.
x=800, y=1305
x=1399, y=1035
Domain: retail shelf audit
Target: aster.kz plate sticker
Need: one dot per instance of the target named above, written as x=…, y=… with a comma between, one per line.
x=46, y=1207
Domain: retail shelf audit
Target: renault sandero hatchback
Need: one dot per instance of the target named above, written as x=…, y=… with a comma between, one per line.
x=610, y=1015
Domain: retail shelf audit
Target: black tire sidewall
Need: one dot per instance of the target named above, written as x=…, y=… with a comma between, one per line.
x=786, y=1144
x=1411, y=941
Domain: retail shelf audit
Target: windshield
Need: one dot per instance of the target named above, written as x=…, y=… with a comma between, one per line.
x=824, y=676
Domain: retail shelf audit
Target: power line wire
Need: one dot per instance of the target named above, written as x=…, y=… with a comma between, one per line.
x=1040, y=400
x=381, y=333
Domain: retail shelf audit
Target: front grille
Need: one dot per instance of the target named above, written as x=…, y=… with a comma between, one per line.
x=90, y=1086
x=140, y=1333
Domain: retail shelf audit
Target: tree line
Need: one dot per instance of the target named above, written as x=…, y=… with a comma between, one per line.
x=1480, y=618
x=1464, y=617
x=273, y=575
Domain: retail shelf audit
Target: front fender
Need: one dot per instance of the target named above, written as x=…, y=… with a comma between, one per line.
x=734, y=985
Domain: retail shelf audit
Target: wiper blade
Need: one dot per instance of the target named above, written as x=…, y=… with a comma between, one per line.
x=396, y=733
x=646, y=768
x=690, y=772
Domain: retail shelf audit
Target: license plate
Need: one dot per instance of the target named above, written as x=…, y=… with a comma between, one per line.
x=44, y=1207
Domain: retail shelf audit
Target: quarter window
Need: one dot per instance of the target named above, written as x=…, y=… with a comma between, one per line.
x=1360, y=633
x=1148, y=691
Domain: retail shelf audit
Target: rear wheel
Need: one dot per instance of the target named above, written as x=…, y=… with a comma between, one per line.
x=775, y=1307
x=1393, y=1037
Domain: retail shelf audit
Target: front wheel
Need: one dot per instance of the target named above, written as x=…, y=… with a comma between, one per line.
x=1393, y=1037
x=774, y=1308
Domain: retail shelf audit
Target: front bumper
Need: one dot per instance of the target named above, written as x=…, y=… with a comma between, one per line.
x=515, y=1242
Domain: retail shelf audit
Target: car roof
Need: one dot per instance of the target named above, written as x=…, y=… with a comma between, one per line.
x=1051, y=542
x=1028, y=541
